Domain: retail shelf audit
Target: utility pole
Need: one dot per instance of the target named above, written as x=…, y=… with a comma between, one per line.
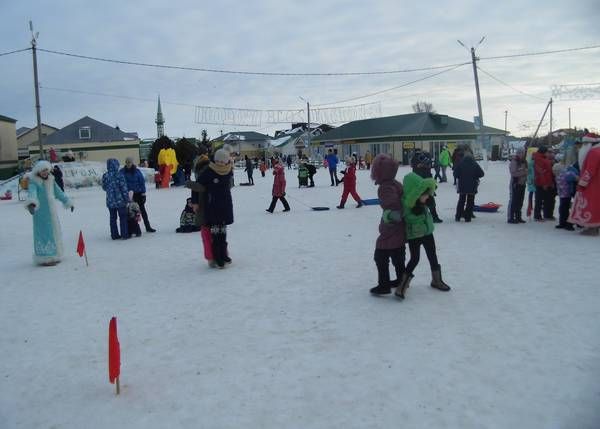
x=569, y=118
x=550, y=133
x=505, y=145
x=37, y=89
x=474, y=60
x=308, y=125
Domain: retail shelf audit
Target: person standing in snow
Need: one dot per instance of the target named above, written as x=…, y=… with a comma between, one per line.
x=518, y=180
x=544, y=185
x=312, y=170
x=419, y=230
x=390, y=244
x=350, y=183
x=47, y=236
x=332, y=162
x=368, y=159
x=278, y=187
x=467, y=175
x=249, y=169
x=58, y=177
x=136, y=183
x=198, y=204
x=218, y=203
x=566, y=183
x=444, y=160
x=586, y=204
x=117, y=197
x=421, y=165
x=457, y=156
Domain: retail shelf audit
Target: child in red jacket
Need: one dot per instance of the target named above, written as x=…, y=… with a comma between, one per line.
x=349, y=180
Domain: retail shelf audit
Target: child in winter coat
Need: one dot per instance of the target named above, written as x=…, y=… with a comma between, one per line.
x=566, y=184
x=391, y=243
x=218, y=203
x=187, y=220
x=302, y=174
x=278, y=187
x=134, y=215
x=350, y=184
x=262, y=167
x=419, y=230
x=117, y=197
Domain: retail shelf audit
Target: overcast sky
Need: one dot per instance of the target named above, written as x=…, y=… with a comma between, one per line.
x=304, y=36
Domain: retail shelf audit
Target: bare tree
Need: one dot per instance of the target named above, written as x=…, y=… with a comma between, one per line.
x=423, y=106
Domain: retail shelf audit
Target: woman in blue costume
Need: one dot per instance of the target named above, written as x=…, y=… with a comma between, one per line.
x=47, y=236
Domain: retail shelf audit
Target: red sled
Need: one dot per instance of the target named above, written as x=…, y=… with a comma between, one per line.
x=6, y=196
x=487, y=207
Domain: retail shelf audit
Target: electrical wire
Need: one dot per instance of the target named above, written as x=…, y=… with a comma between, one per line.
x=511, y=87
x=530, y=54
x=209, y=70
x=395, y=87
x=13, y=52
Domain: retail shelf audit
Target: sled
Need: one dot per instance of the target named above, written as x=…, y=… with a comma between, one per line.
x=487, y=207
x=319, y=209
x=246, y=184
x=6, y=196
x=371, y=202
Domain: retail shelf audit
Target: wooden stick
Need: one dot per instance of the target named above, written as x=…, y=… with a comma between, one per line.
x=86, y=261
x=118, y=387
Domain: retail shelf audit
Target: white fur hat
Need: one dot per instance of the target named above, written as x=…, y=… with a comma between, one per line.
x=222, y=156
x=41, y=166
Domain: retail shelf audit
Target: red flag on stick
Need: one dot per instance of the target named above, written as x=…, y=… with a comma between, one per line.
x=81, y=247
x=114, y=353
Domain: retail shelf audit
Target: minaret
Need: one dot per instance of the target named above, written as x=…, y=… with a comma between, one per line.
x=160, y=121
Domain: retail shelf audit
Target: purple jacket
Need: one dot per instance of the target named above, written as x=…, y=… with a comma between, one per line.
x=391, y=227
x=566, y=182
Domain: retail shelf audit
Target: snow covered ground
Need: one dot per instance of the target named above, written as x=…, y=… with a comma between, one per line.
x=288, y=335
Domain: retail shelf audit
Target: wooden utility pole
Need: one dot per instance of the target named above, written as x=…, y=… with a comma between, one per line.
x=37, y=89
x=474, y=60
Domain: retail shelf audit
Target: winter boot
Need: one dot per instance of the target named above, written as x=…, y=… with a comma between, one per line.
x=360, y=204
x=436, y=280
x=341, y=206
x=404, y=284
x=383, y=275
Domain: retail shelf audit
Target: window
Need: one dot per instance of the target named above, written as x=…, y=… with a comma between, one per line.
x=85, y=133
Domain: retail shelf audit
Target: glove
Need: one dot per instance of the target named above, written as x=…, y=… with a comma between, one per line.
x=31, y=208
x=72, y=208
x=391, y=216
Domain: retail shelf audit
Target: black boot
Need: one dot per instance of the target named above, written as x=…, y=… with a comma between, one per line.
x=341, y=206
x=436, y=280
x=383, y=274
x=286, y=206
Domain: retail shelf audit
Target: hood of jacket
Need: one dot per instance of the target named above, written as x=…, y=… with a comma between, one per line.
x=415, y=186
x=112, y=165
x=384, y=168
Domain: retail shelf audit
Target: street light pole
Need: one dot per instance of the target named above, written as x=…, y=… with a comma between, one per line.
x=37, y=90
x=308, y=125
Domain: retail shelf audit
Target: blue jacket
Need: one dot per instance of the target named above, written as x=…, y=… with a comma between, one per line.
x=135, y=179
x=332, y=161
x=113, y=182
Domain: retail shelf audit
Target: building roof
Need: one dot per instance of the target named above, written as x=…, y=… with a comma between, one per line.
x=242, y=135
x=99, y=133
x=22, y=130
x=286, y=137
x=25, y=130
x=413, y=124
x=7, y=119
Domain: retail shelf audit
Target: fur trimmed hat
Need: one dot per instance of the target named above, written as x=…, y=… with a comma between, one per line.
x=222, y=156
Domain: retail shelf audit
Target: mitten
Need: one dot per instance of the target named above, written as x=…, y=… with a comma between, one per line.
x=391, y=216
x=31, y=208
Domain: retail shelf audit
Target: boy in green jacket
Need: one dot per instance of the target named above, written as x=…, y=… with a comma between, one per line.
x=419, y=230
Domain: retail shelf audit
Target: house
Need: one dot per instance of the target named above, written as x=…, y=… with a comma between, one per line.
x=8, y=147
x=244, y=142
x=92, y=140
x=295, y=141
x=400, y=135
x=29, y=136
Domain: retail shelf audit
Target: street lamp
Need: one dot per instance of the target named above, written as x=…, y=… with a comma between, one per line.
x=308, y=124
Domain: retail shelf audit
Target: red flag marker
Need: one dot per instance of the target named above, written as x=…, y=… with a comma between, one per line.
x=114, y=353
x=81, y=247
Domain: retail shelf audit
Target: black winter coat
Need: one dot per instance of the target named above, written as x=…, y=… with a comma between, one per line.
x=217, y=198
x=467, y=174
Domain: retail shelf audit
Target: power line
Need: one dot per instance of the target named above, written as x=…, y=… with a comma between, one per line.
x=209, y=70
x=395, y=87
x=511, y=87
x=530, y=54
x=14, y=52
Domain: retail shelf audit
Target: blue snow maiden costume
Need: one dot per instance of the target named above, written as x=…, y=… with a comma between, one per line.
x=47, y=236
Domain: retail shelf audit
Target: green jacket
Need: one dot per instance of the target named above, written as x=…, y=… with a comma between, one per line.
x=445, y=158
x=417, y=225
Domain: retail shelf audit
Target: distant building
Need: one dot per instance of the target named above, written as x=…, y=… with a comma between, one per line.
x=8, y=147
x=91, y=140
x=401, y=135
x=244, y=142
x=28, y=136
x=160, y=121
